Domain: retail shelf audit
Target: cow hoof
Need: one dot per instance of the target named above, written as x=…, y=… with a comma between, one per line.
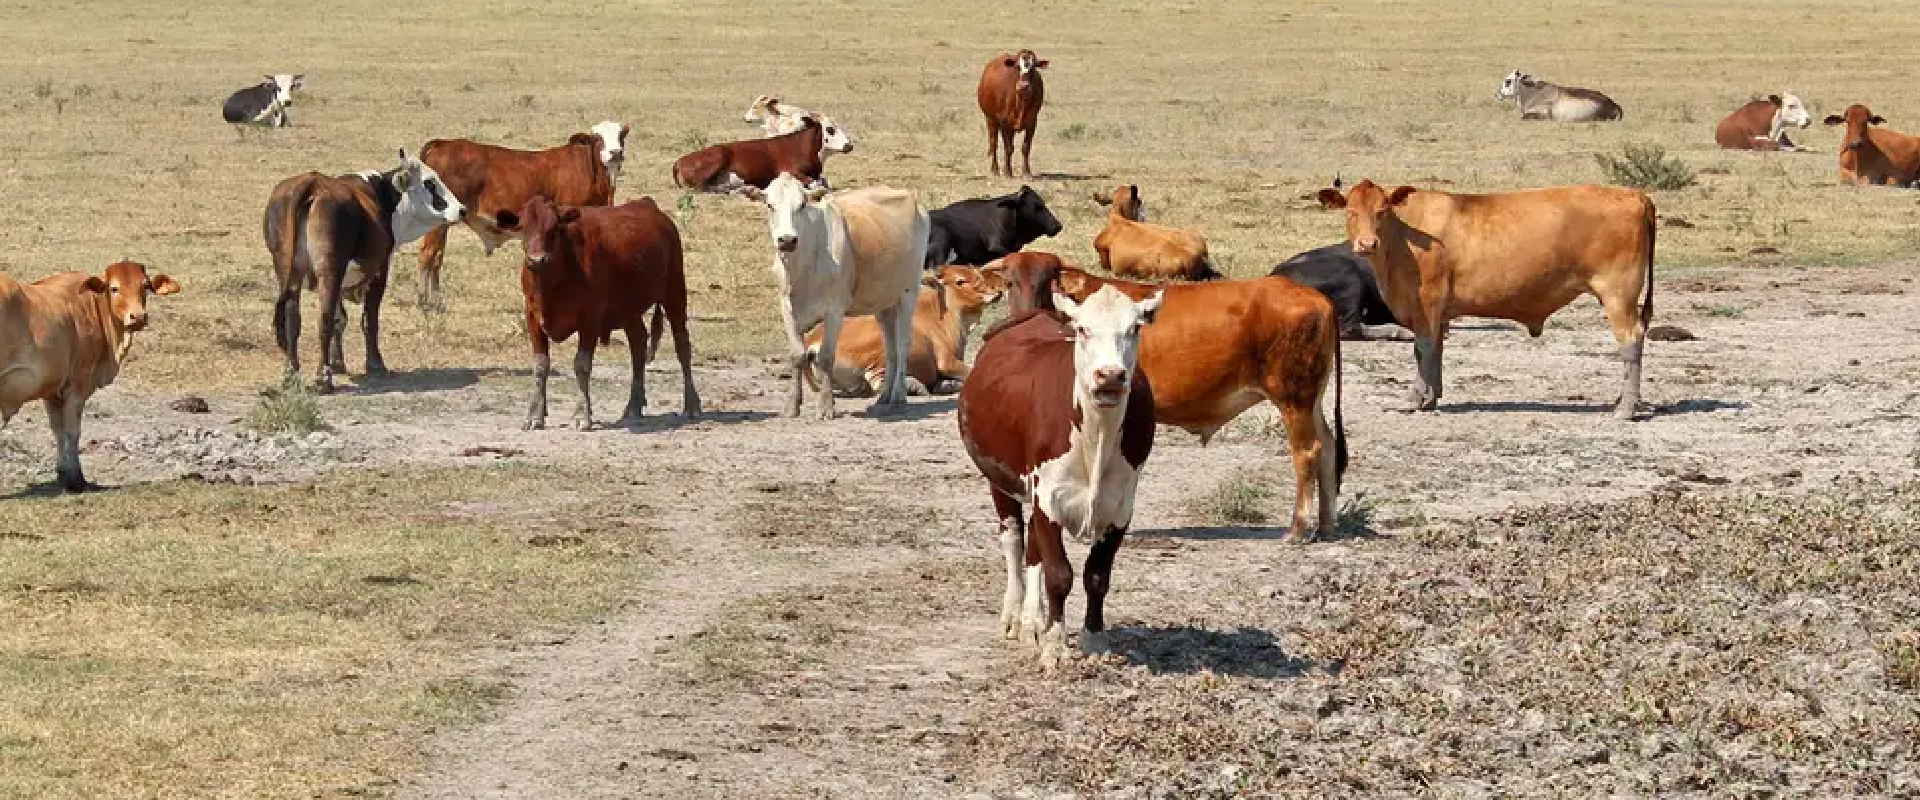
x=378, y=370
x=1296, y=540
x=692, y=408
x=321, y=387
x=1009, y=627
x=534, y=425
x=1625, y=413
x=582, y=424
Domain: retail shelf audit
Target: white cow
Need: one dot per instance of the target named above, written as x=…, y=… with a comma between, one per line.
x=856, y=253
x=780, y=119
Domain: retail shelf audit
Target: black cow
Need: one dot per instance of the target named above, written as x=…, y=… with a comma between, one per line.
x=978, y=231
x=1347, y=280
x=265, y=103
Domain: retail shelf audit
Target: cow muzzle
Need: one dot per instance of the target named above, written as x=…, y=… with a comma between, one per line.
x=1856, y=144
x=786, y=244
x=136, y=321
x=1366, y=246
x=1109, y=386
x=536, y=261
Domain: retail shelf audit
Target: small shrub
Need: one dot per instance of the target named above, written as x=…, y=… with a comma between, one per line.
x=1237, y=500
x=1356, y=514
x=694, y=140
x=1726, y=312
x=1072, y=133
x=1646, y=167
x=288, y=409
x=1902, y=655
x=686, y=209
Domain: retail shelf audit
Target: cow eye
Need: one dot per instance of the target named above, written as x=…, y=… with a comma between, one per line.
x=115, y=288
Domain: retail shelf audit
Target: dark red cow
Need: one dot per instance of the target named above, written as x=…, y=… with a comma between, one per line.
x=1055, y=415
x=593, y=271
x=1010, y=94
x=754, y=162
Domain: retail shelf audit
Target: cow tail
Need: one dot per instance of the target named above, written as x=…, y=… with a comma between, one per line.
x=285, y=258
x=1646, y=306
x=1339, y=420
x=659, y=319
x=806, y=366
x=1207, y=271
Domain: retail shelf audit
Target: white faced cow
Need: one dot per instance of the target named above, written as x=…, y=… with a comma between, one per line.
x=780, y=119
x=265, y=103
x=856, y=253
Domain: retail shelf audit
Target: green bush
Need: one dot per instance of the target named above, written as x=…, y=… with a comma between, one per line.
x=1645, y=167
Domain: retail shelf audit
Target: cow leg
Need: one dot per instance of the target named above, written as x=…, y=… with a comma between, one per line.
x=797, y=347
x=286, y=328
x=637, y=390
x=63, y=415
x=1630, y=331
x=896, y=327
x=993, y=148
x=1426, y=357
x=1013, y=547
x=1026, y=151
x=822, y=361
x=1047, y=560
x=1006, y=144
x=542, y=366
x=1099, y=573
x=433, y=252
x=1310, y=442
x=375, y=293
x=683, y=350
x=331, y=274
x=583, y=375
x=337, y=357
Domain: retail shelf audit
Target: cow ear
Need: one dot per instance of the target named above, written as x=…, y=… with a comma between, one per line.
x=1041, y=64
x=1774, y=99
x=623, y=135
x=1103, y=198
x=931, y=280
x=582, y=138
x=1149, y=308
x=1332, y=199
x=1064, y=303
x=162, y=284
x=570, y=216
x=94, y=284
x=1835, y=119
x=1876, y=120
x=1399, y=195
x=506, y=221
x=1007, y=62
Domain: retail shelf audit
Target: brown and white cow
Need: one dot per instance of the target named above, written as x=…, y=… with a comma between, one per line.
x=581, y=172
x=1873, y=156
x=1520, y=256
x=1763, y=124
x=1220, y=347
x=781, y=118
x=755, y=162
x=64, y=337
x=1011, y=92
x=1130, y=247
x=321, y=230
x=593, y=270
x=1057, y=416
x=937, y=358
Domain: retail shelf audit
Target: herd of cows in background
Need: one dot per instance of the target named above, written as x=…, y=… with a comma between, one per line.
x=1058, y=408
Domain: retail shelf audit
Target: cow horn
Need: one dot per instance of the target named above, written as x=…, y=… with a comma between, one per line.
x=1336, y=180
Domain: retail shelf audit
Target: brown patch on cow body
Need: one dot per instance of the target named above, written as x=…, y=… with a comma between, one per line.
x=1874, y=156
x=756, y=162
x=1011, y=105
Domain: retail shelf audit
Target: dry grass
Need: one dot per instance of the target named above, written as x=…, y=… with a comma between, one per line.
x=186, y=639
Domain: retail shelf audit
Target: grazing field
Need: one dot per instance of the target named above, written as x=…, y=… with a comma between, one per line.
x=395, y=591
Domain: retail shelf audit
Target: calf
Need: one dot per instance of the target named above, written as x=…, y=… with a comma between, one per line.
x=780, y=119
x=1347, y=281
x=1220, y=348
x=1011, y=92
x=859, y=252
x=981, y=230
x=315, y=225
x=1132, y=248
x=1762, y=124
x=937, y=358
x=592, y=271
x=265, y=103
x=1875, y=156
x=754, y=162
x=581, y=172
x=64, y=337
x=1539, y=99
x=1519, y=256
x=1056, y=416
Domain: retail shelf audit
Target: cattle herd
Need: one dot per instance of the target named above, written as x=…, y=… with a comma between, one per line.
x=1058, y=409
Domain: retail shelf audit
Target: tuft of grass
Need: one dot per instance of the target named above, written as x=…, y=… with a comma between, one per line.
x=288, y=409
x=1902, y=655
x=1239, y=499
x=1356, y=514
x=1646, y=167
x=1726, y=312
x=694, y=140
x=1072, y=132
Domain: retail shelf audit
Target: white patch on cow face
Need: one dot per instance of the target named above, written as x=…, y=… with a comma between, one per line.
x=425, y=202
x=1510, y=85
x=759, y=111
x=1026, y=64
x=1793, y=113
x=786, y=200
x=833, y=138
x=1106, y=343
x=613, y=146
x=283, y=86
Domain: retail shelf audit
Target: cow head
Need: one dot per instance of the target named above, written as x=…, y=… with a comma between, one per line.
x=1789, y=112
x=1106, y=342
x=1510, y=85
x=762, y=109
x=967, y=291
x=613, y=147
x=833, y=138
x=1028, y=64
x=126, y=285
x=425, y=202
x=787, y=200
x=1367, y=206
x=1125, y=201
x=541, y=226
x=284, y=85
x=1031, y=217
x=1857, y=118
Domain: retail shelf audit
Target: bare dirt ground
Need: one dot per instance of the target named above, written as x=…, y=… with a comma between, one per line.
x=1531, y=597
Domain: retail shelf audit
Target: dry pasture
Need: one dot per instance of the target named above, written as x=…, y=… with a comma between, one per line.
x=1530, y=599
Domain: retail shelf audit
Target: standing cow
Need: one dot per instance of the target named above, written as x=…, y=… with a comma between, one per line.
x=592, y=271
x=1519, y=256
x=1057, y=417
x=64, y=337
x=1763, y=124
x=1539, y=99
x=980, y=230
x=265, y=103
x=858, y=252
x=1011, y=92
x=315, y=225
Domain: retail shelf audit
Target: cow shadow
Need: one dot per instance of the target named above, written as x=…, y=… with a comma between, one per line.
x=430, y=379
x=913, y=411
x=1697, y=406
x=1186, y=650
x=661, y=421
x=1343, y=531
x=1071, y=176
x=50, y=489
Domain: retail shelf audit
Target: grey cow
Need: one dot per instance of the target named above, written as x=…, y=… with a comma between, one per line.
x=1542, y=100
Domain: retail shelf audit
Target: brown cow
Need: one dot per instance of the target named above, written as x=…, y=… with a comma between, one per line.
x=1131, y=248
x=1219, y=348
x=1763, y=124
x=1011, y=92
x=754, y=162
x=581, y=172
x=1875, y=156
x=1056, y=416
x=936, y=360
x=592, y=271
x=1519, y=256
x=64, y=337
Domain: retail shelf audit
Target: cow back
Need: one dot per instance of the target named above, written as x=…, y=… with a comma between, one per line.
x=1746, y=127
x=491, y=179
x=887, y=237
x=617, y=263
x=53, y=339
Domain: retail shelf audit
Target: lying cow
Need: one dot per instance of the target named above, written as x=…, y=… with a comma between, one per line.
x=780, y=119
x=1763, y=124
x=64, y=337
x=592, y=271
x=1872, y=155
x=1133, y=248
x=756, y=162
x=937, y=359
x=1519, y=256
x=1057, y=417
x=265, y=103
x=581, y=172
x=1347, y=281
x=315, y=225
x=1011, y=93
x=857, y=253
x=981, y=230
x=1542, y=100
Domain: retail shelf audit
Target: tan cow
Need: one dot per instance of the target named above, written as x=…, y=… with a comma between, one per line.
x=1132, y=248
x=1519, y=256
x=64, y=337
x=1874, y=156
x=937, y=357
